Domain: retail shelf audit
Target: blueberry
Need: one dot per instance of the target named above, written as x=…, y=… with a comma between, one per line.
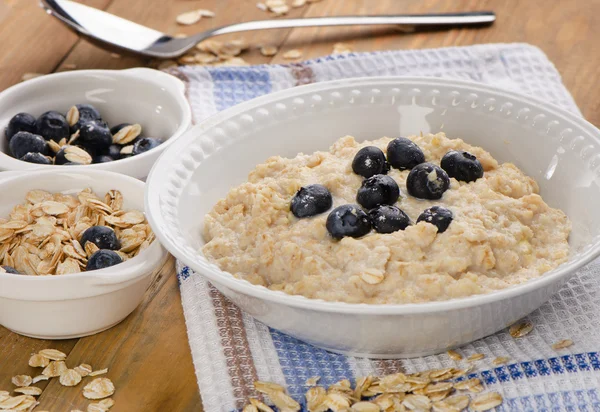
x=404, y=154
x=462, y=166
x=26, y=142
x=388, y=219
x=103, y=259
x=438, y=216
x=102, y=236
x=102, y=159
x=348, y=220
x=36, y=158
x=311, y=200
x=21, y=122
x=95, y=136
x=145, y=144
x=114, y=151
x=60, y=158
x=11, y=270
x=115, y=129
x=378, y=190
x=370, y=161
x=52, y=126
x=427, y=181
x=87, y=113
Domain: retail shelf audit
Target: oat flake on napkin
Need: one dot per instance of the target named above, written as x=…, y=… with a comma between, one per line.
x=231, y=350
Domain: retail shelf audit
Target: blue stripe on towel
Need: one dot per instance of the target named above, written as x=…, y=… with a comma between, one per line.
x=578, y=400
x=581, y=362
x=231, y=87
x=300, y=361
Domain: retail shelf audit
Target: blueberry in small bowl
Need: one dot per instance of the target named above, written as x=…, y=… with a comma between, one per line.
x=21, y=122
x=37, y=158
x=9, y=269
x=26, y=142
x=145, y=144
x=95, y=136
x=103, y=259
x=52, y=125
x=81, y=114
x=58, y=106
x=102, y=236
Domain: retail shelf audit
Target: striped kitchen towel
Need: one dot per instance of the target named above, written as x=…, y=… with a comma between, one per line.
x=231, y=350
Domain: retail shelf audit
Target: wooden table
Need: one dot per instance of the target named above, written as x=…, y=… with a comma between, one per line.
x=148, y=355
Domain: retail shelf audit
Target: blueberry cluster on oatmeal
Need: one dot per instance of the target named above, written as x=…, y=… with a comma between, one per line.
x=401, y=220
x=378, y=192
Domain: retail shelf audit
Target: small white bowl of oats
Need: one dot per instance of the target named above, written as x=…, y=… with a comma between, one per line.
x=115, y=120
x=76, y=251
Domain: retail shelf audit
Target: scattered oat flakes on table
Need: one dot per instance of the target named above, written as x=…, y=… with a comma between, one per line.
x=292, y=54
x=29, y=390
x=189, y=17
x=565, y=343
x=99, y=388
x=500, y=360
x=520, y=329
x=476, y=357
x=486, y=401
x=21, y=380
x=99, y=372
x=52, y=354
x=268, y=50
x=342, y=48
x=55, y=369
x=40, y=378
x=312, y=381
x=454, y=355
x=70, y=377
x=102, y=406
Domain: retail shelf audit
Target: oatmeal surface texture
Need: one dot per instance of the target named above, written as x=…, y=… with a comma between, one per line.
x=503, y=233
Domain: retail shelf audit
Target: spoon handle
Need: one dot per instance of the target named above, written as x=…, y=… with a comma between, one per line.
x=432, y=20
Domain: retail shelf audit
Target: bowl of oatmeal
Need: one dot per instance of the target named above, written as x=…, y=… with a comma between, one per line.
x=389, y=217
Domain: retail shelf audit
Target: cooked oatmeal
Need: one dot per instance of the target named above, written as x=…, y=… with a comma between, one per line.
x=502, y=232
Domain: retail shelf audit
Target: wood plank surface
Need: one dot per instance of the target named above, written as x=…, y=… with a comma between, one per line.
x=148, y=354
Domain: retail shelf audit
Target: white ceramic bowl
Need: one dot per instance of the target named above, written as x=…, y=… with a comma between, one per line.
x=560, y=150
x=80, y=304
x=154, y=99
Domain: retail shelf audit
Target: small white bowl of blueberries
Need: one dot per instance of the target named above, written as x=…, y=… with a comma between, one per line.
x=119, y=121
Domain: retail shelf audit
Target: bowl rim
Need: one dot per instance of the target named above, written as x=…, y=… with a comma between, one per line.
x=131, y=266
x=175, y=87
x=222, y=278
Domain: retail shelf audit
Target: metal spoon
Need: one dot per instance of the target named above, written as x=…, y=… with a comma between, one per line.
x=112, y=32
